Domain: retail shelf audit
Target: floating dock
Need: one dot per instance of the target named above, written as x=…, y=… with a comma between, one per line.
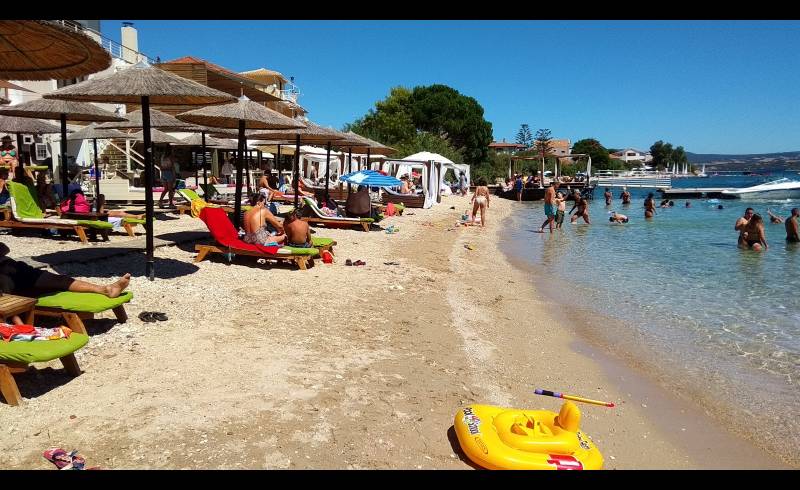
x=696, y=192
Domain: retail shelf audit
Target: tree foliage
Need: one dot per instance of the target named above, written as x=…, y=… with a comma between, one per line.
x=424, y=141
x=542, y=142
x=592, y=147
x=524, y=136
x=436, y=110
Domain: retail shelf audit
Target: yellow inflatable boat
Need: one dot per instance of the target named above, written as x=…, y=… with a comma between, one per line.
x=510, y=439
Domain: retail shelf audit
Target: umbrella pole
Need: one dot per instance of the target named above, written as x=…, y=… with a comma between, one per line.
x=240, y=154
x=368, y=167
x=247, y=167
x=64, y=172
x=278, y=165
x=148, y=188
x=296, y=170
x=327, y=171
x=350, y=165
x=96, y=172
x=19, y=150
x=205, y=173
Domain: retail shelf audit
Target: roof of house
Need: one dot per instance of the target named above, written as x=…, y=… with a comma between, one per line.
x=225, y=79
x=503, y=144
x=263, y=75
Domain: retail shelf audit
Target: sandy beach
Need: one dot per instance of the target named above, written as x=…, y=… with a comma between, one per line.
x=264, y=366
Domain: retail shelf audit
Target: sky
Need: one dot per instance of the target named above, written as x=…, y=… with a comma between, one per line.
x=710, y=86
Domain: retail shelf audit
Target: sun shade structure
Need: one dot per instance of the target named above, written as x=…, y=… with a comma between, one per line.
x=25, y=125
x=157, y=137
x=371, y=178
x=243, y=114
x=312, y=133
x=158, y=119
x=44, y=50
x=144, y=84
x=62, y=110
x=91, y=132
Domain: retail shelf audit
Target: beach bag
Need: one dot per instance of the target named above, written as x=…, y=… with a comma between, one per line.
x=76, y=203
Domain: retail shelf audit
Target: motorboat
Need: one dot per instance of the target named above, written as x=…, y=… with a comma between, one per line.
x=777, y=189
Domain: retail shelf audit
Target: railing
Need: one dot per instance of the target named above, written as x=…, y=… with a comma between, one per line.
x=114, y=48
x=654, y=181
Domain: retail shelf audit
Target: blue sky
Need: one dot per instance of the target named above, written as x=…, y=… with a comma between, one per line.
x=711, y=86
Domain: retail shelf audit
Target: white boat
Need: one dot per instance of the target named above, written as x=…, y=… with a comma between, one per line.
x=777, y=189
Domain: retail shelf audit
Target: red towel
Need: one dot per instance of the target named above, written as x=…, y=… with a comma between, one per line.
x=224, y=233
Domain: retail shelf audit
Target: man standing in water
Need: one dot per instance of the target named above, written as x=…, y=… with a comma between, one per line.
x=625, y=195
x=741, y=224
x=649, y=206
x=791, y=224
x=549, y=206
x=608, y=196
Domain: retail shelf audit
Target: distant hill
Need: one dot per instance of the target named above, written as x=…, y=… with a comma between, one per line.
x=773, y=161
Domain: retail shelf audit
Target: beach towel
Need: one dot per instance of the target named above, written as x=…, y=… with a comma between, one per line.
x=225, y=234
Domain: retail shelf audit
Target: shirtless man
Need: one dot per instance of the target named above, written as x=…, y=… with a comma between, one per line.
x=625, y=196
x=257, y=222
x=775, y=220
x=617, y=218
x=649, y=206
x=480, y=201
x=791, y=224
x=298, y=234
x=741, y=224
x=582, y=205
x=549, y=206
x=608, y=196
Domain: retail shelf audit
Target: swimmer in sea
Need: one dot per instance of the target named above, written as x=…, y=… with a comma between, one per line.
x=775, y=220
x=608, y=196
x=649, y=206
x=617, y=218
x=791, y=225
x=754, y=236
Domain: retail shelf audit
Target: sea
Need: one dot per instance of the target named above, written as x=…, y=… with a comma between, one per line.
x=716, y=324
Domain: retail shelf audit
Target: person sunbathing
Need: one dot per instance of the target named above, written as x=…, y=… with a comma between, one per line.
x=20, y=278
x=617, y=218
x=301, y=187
x=44, y=191
x=298, y=233
x=99, y=206
x=404, y=188
x=774, y=219
x=260, y=225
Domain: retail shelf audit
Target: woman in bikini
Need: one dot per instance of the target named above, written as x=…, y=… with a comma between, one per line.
x=259, y=223
x=8, y=154
x=582, y=205
x=754, y=236
x=480, y=201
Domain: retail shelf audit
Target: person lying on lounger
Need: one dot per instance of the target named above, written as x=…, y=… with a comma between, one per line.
x=260, y=225
x=298, y=233
x=22, y=279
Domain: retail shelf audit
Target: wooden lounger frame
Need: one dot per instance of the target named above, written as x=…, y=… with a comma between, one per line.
x=317, y=220
x=302, y=261
x=79, y=230
x=74, y=319
x=8, y=386
x=408, y=200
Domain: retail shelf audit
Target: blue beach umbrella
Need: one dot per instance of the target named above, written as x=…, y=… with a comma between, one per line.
x=371, y=178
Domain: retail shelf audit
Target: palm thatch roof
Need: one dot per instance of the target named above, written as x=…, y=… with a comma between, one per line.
x=53, y=109
x=312, y=133
x=254, y=115
x=157, y=137
x=44, y=50
x=93, y=131
x=25, y=125
x=13, y=86
x=142, y=80
x=158, y=119
x=196, y=139
x=364, y=143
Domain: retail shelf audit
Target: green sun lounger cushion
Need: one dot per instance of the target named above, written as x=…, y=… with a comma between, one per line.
x=96, y=224
x=188, y=194
x=83, y=302
x=133, y=221
x=317, y=242
x=298, y=251
x=367, y=220
x=41, y=350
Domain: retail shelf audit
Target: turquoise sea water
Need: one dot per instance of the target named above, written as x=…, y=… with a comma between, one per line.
x=718, y=322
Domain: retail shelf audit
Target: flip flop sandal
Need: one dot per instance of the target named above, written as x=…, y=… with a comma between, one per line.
x=391, y=263
x=58, y=457
x=147, y=317
x=359, y=262
x=162, y=317
x=348, y=262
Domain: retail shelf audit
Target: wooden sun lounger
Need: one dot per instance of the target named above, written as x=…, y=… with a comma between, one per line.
x=8, y=386
x=74, y=319
x=408, y=200
x=302, y=261
x=335, y=221
x=78, y=229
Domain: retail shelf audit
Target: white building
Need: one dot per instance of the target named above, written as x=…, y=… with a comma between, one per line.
x=632, y=155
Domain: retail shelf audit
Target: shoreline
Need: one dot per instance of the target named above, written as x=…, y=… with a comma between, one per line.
x=268, y=367
x=700, y=430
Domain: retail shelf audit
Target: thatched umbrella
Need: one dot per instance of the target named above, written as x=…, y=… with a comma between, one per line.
x=366, y=144
x=158, y=119
x=312, y=133
x=44, y=50
x=156, y=137
x=350, y=141
x=24, y=125
x=200, y=139
x=62, y=110
x=244, y=114
x=91, y=132
x=143, y=84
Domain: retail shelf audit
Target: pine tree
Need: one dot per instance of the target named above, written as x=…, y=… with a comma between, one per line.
x=524, y=136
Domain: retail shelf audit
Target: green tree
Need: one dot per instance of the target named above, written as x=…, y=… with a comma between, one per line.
x=424, y=141
x=679, y=157
x=524, y=136
x=592, y=147
x=390, y=122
